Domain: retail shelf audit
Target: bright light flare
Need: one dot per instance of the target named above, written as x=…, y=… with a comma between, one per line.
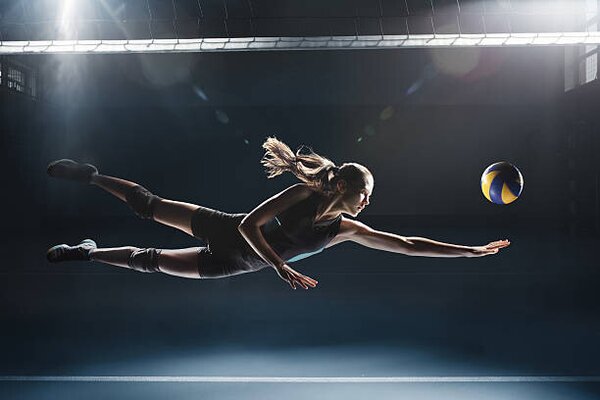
x=66, y=21
x=299, y=43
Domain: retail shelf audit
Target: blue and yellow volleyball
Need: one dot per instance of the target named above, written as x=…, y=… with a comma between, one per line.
x=502, y=183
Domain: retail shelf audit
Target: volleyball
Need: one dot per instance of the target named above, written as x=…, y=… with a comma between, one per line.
x=501, y=183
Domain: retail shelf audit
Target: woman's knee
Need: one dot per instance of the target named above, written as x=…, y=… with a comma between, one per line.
x=141, y=201
x=145, y=260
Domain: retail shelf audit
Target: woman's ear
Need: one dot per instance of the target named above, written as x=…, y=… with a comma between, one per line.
x=341, y=186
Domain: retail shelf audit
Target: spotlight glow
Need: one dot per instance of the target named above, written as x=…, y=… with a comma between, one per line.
x=66, y=18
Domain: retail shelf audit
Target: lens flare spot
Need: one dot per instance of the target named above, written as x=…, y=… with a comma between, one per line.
x=386, y=113
x=222, y=116
x=200, y=93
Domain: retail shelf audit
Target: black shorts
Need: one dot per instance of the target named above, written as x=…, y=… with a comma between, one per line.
x=227, y=253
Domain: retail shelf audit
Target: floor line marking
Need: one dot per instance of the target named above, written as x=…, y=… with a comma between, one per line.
x=298, y=379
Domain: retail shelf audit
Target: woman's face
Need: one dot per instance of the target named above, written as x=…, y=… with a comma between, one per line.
x=356, y=199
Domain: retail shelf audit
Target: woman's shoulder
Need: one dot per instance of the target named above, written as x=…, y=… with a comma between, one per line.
x=301, y=198
x=296, y=193
x=351, y=227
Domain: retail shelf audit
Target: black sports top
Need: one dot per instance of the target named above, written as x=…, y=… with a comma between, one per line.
x=295, y=235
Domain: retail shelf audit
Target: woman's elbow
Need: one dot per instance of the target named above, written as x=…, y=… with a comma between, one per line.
x=246, y=226
x=242, y=227
x=408, y=248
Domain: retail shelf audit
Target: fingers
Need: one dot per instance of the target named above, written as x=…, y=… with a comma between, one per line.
x=285, y=276
x=492, y=247
x=291, y=282
x=295, y=278
x=302, y=284
x=486, y=252
x=303, y=280
x=309, y=281
x=498, y=244
x=288, y=279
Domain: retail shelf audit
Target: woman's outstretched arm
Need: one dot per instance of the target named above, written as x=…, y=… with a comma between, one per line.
x=410, y=245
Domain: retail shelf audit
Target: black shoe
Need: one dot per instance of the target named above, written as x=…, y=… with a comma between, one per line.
x=64, y=252
x=71, y=170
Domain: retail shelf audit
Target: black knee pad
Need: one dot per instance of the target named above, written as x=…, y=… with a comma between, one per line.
x=144, y=260
x=141, y=201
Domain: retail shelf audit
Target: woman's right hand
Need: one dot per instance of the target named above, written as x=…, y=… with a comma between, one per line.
x=490, y=248
x=293, y=277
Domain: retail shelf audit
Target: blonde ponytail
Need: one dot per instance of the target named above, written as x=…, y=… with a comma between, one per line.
x=310, y=168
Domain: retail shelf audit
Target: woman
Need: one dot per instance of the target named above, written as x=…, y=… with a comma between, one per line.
x=300, y=221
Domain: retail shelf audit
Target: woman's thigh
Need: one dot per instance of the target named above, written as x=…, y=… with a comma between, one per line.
x=176, y=214
x=180, y=262
x=200, y=262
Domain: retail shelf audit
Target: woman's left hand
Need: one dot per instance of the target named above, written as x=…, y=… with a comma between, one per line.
x=293, y=277
x=490, y=248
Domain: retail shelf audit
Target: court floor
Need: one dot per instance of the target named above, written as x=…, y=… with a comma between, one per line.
x=521, y=325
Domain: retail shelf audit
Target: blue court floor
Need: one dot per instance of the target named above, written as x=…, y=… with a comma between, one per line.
x=527, y=318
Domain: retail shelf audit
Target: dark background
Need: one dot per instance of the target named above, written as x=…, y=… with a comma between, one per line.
x=189, y=127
